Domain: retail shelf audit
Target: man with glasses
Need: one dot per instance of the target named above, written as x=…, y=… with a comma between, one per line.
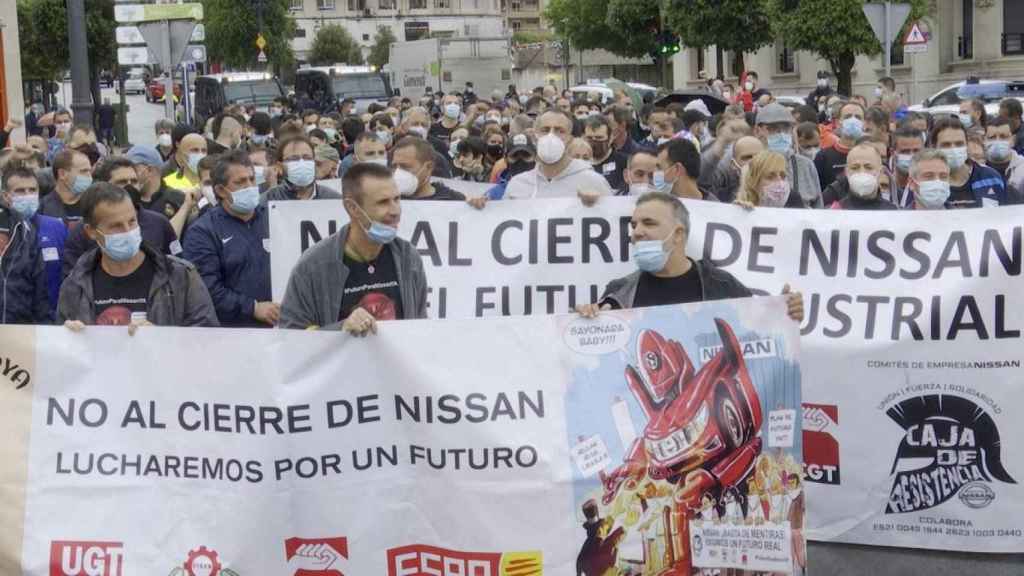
x=297, y=163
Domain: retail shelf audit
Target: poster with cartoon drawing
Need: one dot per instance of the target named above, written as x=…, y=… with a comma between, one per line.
x=685, y=441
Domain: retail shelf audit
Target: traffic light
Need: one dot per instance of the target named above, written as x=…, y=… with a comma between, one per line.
x=668, y=43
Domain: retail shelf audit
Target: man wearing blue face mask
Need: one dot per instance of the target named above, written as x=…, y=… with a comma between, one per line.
x=124, y=282
x=999, y=143
x=830, y=162
x=451, y=112
x=297, y=160
x=774, y=127
x=363, y=273
x=73, y=175
x=666, y=275
x=21, y=194
x=230, y=245
x=971, y=185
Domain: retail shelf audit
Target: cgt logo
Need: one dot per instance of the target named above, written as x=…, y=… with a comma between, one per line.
x=821, y=447
x=70, y=558
x=420, y=560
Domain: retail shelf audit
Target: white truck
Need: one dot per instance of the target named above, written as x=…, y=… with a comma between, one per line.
x=446, y=64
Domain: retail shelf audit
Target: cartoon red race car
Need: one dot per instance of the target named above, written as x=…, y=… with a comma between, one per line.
x=703, y=429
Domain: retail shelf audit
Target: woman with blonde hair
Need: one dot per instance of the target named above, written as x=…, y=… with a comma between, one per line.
x=763, y=181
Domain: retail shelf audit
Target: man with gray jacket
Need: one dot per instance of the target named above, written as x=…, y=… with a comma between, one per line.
x=364, y=272
x=123, y=282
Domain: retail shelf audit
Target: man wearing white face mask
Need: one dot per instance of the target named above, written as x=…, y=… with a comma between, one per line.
x=125, y=282
x=164, y=142
x=412, y=160
x=639, y=174
x=230, y=246
x=557, y=174
x=929, y=180
x=363, y=273
x=970, y=185
x=665, y=274
x=297, y=160
x=863, y=169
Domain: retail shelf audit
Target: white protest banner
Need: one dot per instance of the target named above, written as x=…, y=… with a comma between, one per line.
x=909, y=317
x=431, y=444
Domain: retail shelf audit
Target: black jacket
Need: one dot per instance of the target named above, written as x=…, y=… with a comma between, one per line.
x=156, y=232
x=25, y=299
x=716, y=284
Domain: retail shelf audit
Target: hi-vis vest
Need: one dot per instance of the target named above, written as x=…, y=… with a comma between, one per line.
x=178, y=181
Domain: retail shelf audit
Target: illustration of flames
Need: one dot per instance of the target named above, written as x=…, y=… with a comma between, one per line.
x=522, y=564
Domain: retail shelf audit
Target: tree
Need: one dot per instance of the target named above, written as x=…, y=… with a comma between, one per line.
x=599, y=24
x=232, y=27
x=43, y=39
x=737, y=26
x=836, y=30
x=333, y=44
x=380, y=53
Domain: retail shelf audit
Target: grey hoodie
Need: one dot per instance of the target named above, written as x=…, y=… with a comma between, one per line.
x=578, y=175
x=316, y=285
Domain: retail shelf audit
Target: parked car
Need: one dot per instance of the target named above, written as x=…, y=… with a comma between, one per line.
x=156, y=88
x=947, y=100
x=215, y=91
x=135, y=81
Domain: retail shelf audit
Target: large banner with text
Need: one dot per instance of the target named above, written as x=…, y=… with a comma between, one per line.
x=912, y=337
x=665, y=440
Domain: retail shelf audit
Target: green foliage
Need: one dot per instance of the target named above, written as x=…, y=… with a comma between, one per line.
x=733, y=25
x=380, y=53
x=521, y=37
x=836, y=30
x=233, y=25
x=620, y=26
x=334, y=45
x=43, y=33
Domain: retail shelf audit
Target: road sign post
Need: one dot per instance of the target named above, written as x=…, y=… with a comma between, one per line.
x=886, y=21
x=915, y=43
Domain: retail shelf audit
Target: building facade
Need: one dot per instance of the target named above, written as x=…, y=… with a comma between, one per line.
x=982, y=38
x=407, y=19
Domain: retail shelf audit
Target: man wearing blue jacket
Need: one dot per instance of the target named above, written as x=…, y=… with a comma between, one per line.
x=230, y=244
x=23, y=297
x=21, y=195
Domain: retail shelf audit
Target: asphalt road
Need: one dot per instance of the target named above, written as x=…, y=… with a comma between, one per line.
x=142, y=115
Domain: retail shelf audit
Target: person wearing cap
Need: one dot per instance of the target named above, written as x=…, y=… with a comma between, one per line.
x=297, y=164
x=520, y=158
x=155, y=195
x=327, y=160
x=774, y=127
x=21, y=194
x=187, y=154
x=122, y=281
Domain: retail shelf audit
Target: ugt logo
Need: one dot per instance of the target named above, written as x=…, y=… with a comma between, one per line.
x=71, y=558
x=949, y=442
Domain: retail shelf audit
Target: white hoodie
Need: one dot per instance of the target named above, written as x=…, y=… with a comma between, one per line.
x=578, y=175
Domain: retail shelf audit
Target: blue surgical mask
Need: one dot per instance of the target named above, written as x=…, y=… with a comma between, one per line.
x=955, y=157
x=997, y=150
x=932, y=194
x=331, y=133
x=452, y=111
x=245, y=200
x=25, y=205
x=122, y=247
x=966, y=119
x=853, y=128
x=659, y=182
x=301, y=173
x=193, y=161
x=260, y=139
x=260, y=173
x=650, y=255
x=781, y=142
x=903, y=162
x=378, y=232
x=80, y=184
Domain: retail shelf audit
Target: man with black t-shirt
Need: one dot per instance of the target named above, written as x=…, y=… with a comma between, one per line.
x=363, y=273
x=831, y=162
x=124, y=282
x=666, y=275
x=607, y=162
x=413, y=161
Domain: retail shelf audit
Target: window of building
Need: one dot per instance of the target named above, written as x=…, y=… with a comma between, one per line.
x=417, y=4
x=366, y=37
x=299, y=32
x=443, y=4
x=356, y=5
x=295, y=5
x=965, y=41
x=387, y=4
x=325, y=4
x=896, y=56
x=785, y=58
x=1013, y=28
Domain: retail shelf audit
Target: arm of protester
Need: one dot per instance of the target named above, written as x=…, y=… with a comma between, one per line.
x=200, y=249
x=75, y=326
x=420, y=287
x=135, y=324
x=592, y=310
x=181, y=217
x=589, y=197
x=298, y=311
x=744, y=204
x=477, y=202
x=77, y=243
x=199, y=310
x=794, y=303
x=41, y=312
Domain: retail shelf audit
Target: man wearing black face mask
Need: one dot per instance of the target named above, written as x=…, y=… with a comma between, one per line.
x=154, y=195
x=520, y=158
x=607, y=162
